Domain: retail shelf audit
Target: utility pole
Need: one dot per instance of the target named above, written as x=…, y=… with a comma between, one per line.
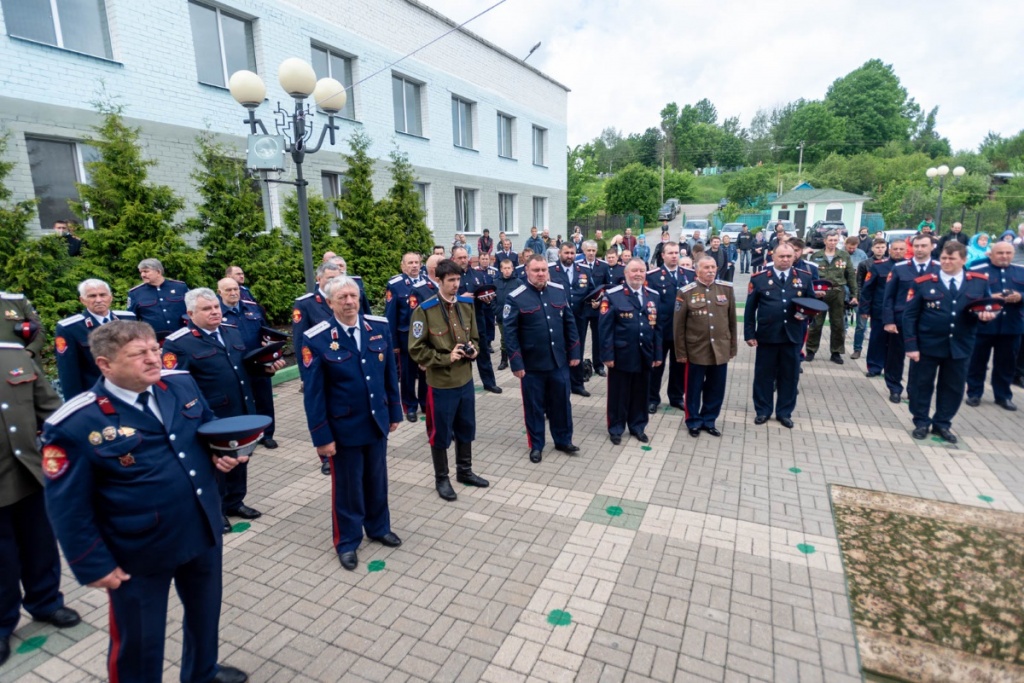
x=663, y=175
x=800, y=166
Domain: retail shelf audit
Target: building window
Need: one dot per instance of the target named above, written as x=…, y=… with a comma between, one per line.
x=506, y=212
x=333, y=185
x=506, y=132
x=57, y=168
x=421, y=193
x=783, y=215
x=462, y=122
x=540, y=212
x=223, y=44
x=332, y=64
x=540, y=143
x=465, y=210
x=406, y=97
x=79, y=25
x=834, y=212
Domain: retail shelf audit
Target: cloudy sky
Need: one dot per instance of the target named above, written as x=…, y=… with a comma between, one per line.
x=625, y=59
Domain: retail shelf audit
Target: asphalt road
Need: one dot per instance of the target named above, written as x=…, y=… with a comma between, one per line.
x=690, y=211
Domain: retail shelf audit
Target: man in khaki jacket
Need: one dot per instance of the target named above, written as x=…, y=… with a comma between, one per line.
x=705, y=336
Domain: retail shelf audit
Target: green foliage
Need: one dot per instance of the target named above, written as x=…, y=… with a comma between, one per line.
x=14, y=219
x=818, y=128
x=320, y=219
x=49, y=277
x=402, y=205
x=747, y=187
x=679, y=185
x=874, y=104
x=581, y=175
x=1005, y=154
x=708, y=189
x=634, y=189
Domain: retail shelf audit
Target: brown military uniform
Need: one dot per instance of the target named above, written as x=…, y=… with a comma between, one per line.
x=435, y=329
x=704, y=327
x=17, y=311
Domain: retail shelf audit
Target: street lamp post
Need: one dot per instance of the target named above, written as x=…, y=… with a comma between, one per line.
x=941, y=172
x=298, y=80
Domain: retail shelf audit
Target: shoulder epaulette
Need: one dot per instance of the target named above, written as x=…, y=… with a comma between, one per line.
x=11, y=297
x=654, y=270
x=762, y=272
x=304, y=296
x=601, y=260
x=723, y=282
x=652, y=290
x=71, y=407
x=126, y=314
x=12, y=345
x=977, y=267
x=396, y=279
x=354, y=277
x=429, y=303
x=517, y=291
x=141, y=284
x=689, y=287
x=465, y=298
x=555, y=284
x=971, y=275
x=617, y=288
x=799, y=270
x=927, y=277
x=376, y=318
x=316, y=329
x=229, y=325
x=177, y=334
x=175, y=282
x=169, y=373
x=71, y=320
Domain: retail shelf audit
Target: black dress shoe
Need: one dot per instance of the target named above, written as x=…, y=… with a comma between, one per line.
x=410, y=417
x=678, y=406
x=694, y=433
x=581, y=392
x=490, y=349
x=641, y=437
x=503, y=365
x=616, y=438
x=1018, y=381
x=712, y=431
x=245, y=512
x=229, y=674
x=872, y=374
x=920, y=433
x=973, y=401
x=786, y=422
x=809, y=357
x=571, y=449
x=445, y=490
x=226, y=524
x=349, y=560
x=471, y=479
x=600, y=371
x=493, y=390
x=760, y=419
x=65, y=617
x=1007, y=405
x=269, y=443
x=5, y=650
x=389, y=539
x=536, y=455
x=325, y=468
x=894, y=398
x=944, y=434
x=652, y=408
x=837, y=359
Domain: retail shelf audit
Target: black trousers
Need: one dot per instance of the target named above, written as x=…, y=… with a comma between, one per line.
x=705, y=393
x=676, y=376
x=1003, y=348
x=895, y=357
x=627, y=401
x=263, y=394
x=776, y=374
x=944, y=377
x=595, y=340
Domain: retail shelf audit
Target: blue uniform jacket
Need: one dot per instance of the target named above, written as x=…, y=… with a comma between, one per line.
x=307, y=311
x=629, y=334
x=124, y=490
x=582, y=284
x=540, y=331
x=601, y=276
x=512, y=256
x=661, y=281
x=872, y=292
x=75, y=365
x=936, y=324
x=403, y=296
x=350, y=396
x=768, y=316
x=616, y=274
x=1011, y=319
x=218, y=370
x=162, y=307
x=897, y=284
x=248, y=320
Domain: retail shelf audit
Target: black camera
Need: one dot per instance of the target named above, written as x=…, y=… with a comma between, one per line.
x=468, y=349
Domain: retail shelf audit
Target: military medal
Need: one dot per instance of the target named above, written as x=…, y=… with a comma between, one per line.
x=95, y=438
x=126, y=431
x=127, y=460
x=109, y=433
x=11, y=315
x=334, y=346
x=380, y=357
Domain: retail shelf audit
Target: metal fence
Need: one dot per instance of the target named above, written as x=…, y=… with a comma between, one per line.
x=754, y=220
x=609, y=225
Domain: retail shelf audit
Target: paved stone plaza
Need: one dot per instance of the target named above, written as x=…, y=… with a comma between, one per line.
x=686, y=559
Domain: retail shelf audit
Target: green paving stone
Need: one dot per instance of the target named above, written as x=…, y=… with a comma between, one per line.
x=645, y=448
x=613, y=510
x=558, y=617
x=31, y=644
x=795, y=470
x=375, y=566
x=240, y=527
x=805, y=548
x=623, y=514
x=423, y=418
x=987, y=499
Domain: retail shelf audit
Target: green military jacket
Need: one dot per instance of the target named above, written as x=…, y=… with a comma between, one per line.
x=26, y=400
x=840, y=272
x=435, y=329
x=17, y=309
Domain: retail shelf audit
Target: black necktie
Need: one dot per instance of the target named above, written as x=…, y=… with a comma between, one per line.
x=920, y=269
x=952, y=287
x=148, y=407
x=104, y=320
x=352, y=335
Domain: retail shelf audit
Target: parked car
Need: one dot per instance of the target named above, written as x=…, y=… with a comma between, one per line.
x=769, y=229
x=676, y=206
x=722, y=203
x=816, y=233
x=897, y=235
x=697, y=225
x=666, y=213
x=732, y=230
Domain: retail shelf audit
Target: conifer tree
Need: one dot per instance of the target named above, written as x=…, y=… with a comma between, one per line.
x=403, y=205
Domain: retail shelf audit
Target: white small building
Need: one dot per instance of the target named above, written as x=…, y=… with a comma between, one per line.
x=485, y=132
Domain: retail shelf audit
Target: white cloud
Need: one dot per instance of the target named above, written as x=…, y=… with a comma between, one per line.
x=624, y=60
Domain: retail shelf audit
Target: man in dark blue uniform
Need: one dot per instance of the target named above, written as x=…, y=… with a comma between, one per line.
x=133, y=500
x=405, y=292
x=472, y=280
x=616, y=268
x=238, y=275
x=506, y=254
x=940, y=333
x=75, y=365
x=872, y=302
x=1001, y=337
x=524, y=256
x=213, y=354
x=311, y=308
x=27, y=546
x=352, y=404
x=667, y=280
x=897, y=285
x=600, y=275
x=631, y=346
x=769, y=325
x=247, y=317
x=543, y=344
x=158, y=301
x=364, y=303
x=487, y=302
x=577, y=283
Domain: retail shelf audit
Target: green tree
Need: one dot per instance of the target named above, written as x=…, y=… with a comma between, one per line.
x=820, y=131
x=874, y=104
x=748, y=187
x=133, y=217
x=647, y=147
x=581, y=171
x=14, y=218
x=679, y=185
x=321, y=216
x=403, y=206
x=706, y=112
x=926, y=138
x=634, y=189
x=761, y=140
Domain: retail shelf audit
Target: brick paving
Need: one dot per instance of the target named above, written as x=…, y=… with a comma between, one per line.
x=689, y=559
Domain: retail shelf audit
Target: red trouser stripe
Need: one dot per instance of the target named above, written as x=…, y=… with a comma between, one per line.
x=522, y=391
x=334, y=505
x=686, y=391
x=115, y=644
x=431, y=430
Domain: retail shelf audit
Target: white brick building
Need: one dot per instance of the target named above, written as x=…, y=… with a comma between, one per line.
x=485, y=132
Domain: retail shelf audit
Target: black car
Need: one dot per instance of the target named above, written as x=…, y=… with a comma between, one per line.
x=666, y=212
x=816, y=233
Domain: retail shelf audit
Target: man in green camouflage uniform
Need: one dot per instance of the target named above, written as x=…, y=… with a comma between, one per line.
x=836, y=267
x=21, y=323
